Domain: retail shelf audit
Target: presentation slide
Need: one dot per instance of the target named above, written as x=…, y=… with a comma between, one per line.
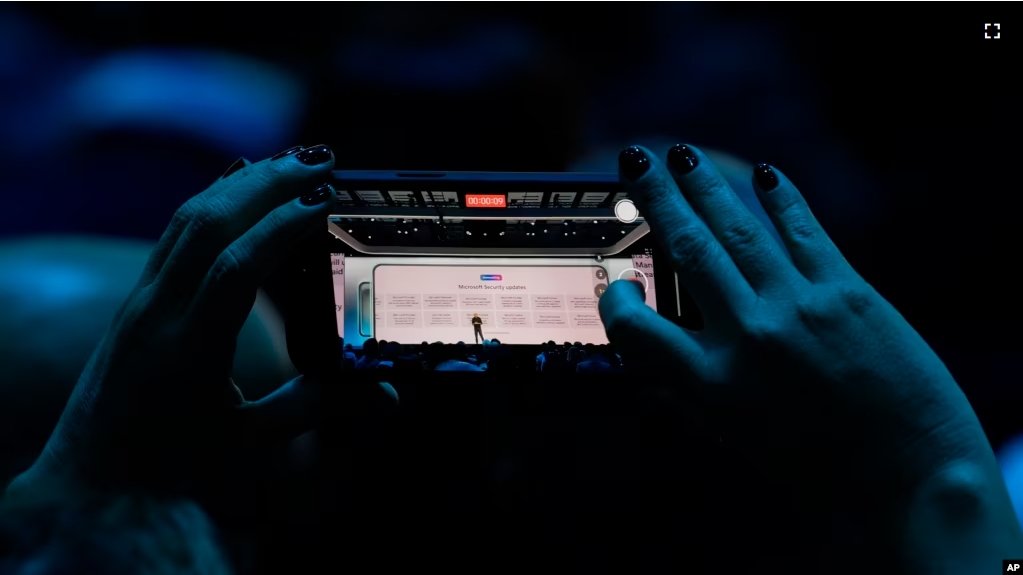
x=514, y=304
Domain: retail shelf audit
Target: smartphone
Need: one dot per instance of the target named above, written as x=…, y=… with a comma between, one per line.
x=423, y=257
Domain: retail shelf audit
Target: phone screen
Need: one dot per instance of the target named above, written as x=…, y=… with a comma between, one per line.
x=516, y=301
x=517, y=259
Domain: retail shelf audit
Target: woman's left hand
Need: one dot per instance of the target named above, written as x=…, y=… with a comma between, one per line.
x=156, y=403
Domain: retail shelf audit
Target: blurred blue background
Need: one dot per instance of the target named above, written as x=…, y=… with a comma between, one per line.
x=900, y=136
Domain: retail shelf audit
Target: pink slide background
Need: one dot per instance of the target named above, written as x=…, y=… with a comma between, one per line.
x=528, y=305
x=644, y=265
x=337, y=266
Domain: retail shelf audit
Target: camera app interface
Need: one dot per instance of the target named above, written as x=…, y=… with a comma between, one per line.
x=521, y=268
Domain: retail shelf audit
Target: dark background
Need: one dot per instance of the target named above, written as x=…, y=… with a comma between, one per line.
x=895, y=121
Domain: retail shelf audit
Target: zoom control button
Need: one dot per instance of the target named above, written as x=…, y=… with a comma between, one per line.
x=640, y=274
x=626, y=211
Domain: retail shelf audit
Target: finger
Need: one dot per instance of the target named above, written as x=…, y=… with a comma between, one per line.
x=225, y=298
x=743, y=236
x=236, y=166
x=297, y=406
x=231, y=207
x=642, y=336
x=813, y=252
x=166, y=244
x=234, y=393
x=173, y=232
x=703, y=266
x=286, y=413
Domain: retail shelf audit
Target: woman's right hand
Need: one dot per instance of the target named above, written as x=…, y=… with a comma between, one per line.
x=795, y=333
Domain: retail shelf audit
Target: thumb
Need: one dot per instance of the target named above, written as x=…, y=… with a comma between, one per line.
x=298, y=406
x=643, y=337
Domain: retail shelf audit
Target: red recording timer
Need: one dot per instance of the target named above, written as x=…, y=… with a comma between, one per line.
x=484, y=201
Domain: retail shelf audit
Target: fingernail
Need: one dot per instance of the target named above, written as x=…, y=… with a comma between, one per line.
x=632, y=163
x=765, y=177
x=319, y=195
x=287, y=153
x=639, y=284
x=682, y=159
x=315, y=155
x=237, y=165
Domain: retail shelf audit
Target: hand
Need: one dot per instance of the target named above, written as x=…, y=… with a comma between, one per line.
x=794, y=339
x=156, y=402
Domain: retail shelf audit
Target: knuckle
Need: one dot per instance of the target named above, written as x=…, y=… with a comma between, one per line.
x=276, y=178
x=811, y=313
x=273, y=171
x=801, y=231
x=281, y=173
x=838, y=305
x=797, y=221
x=209, y=216
x=229, y=266
x=689, y=249
x=136, y=310
x=185, y=214
x=856, y=299
x=739, y=235
x=759, y=329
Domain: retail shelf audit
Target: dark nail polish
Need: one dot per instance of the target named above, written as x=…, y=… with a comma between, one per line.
x=287, y=153
x=315, y=155
x=765, y=177
x=237, y=165
x=320, y=195
x=632, y=163
x=682, y=159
